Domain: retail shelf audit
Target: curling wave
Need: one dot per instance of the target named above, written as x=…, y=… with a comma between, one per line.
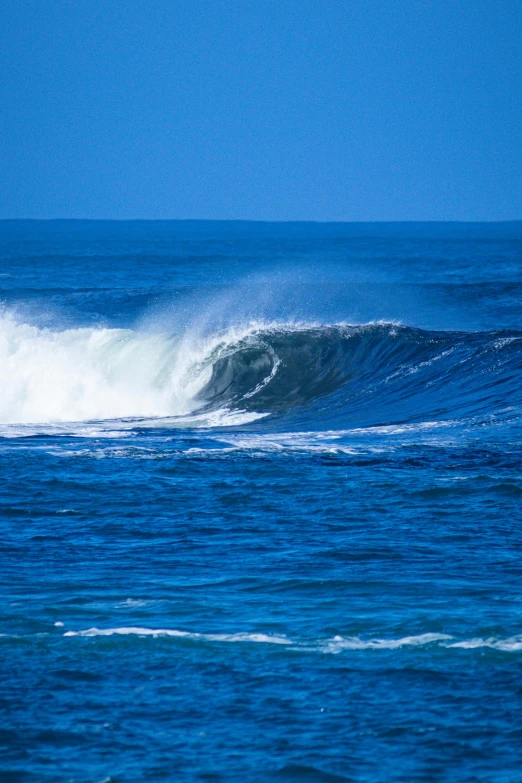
x=357, y=375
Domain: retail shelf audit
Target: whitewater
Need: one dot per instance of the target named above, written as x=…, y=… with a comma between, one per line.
x=86, y=374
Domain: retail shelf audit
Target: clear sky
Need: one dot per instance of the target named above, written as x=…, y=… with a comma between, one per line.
x=261, y=109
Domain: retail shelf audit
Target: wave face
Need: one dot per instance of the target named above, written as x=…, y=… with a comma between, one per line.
x=367, y=374
x=337, y=374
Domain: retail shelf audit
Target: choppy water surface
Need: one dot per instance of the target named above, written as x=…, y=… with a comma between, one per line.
x=261, y=502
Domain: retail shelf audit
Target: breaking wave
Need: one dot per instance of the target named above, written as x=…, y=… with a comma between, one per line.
x=378, y=373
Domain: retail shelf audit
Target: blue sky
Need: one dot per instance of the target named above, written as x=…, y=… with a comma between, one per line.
x=287, y=110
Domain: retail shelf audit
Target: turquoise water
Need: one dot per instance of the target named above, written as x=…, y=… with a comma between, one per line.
x=261, y=502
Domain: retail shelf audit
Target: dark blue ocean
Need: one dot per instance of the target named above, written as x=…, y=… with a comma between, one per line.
x=261, y=502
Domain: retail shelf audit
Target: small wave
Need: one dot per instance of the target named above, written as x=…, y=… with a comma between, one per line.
x=159, y=632
x=513, y=644
x=339, y=643
x=335, y=645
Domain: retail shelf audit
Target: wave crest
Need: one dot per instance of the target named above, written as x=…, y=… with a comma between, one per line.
x=357, y=375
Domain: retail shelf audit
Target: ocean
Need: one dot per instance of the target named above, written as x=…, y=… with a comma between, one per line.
x=261, y=502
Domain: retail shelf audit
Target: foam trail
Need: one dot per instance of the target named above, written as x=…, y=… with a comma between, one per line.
x=513, y=644
x=335, y=645
x=339, y=643
x=158, y=632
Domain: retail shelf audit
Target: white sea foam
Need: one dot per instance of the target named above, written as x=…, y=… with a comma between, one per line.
x=327, y=441
x=501, y=342
x=339, y=643
x=512, y=644
x=55, y=378
x=309, y=443
x=91, y=374
x=158, y=632
x=335, y=645
x=408, y=369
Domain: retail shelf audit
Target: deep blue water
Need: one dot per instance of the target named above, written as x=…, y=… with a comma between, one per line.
x=261, y=502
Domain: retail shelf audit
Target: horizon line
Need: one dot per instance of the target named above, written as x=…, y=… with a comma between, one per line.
x=251, y=220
